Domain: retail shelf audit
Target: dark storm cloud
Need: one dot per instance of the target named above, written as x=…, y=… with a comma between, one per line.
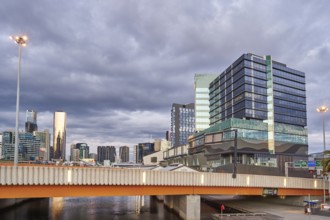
x=117, y=66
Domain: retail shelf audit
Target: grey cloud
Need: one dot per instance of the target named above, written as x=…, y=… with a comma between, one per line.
x=97, y=59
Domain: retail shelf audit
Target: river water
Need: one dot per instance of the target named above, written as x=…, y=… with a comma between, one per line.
x=90, y=208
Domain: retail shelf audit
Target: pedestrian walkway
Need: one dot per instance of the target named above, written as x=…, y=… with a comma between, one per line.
x=273, y=211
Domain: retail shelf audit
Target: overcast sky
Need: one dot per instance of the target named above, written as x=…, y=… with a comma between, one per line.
x=116, y=66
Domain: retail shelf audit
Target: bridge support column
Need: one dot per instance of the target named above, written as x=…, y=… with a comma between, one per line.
x=168, y=201
x=188, y=206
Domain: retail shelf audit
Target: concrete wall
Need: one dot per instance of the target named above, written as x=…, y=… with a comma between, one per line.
x=186, y=206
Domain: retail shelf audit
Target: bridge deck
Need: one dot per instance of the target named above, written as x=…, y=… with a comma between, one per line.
x=44, y=181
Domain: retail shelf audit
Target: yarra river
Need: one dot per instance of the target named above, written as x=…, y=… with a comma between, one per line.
x=92, y=208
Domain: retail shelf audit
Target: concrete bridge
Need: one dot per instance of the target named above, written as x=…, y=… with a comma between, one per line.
x=183, y=188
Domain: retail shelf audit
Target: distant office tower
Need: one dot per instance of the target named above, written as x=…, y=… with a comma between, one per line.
x=143, y=149
x=124, y=154
x=83, y=150
x=202, y=103
x=106, y=153
x=59, y=137
x=74, y=153
x=31, y=121
x=182, y=123
x=44, y=137
x=28, y=148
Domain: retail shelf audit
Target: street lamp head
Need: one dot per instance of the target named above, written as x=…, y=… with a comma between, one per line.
x=322, y=109
x=20, y=40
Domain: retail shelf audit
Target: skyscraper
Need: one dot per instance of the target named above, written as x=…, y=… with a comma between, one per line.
x=59, y=136
x=83, y=150
x=106, y=153
x=202, y=109
x=44, y=137
x=28, y=148
x=264, y=102
x=143, y=149
x=182, y=123
x=124, y=153
x=31, y=121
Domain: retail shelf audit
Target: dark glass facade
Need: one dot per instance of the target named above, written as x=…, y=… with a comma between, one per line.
x=182, y=123
x=28, y=147
x=262, y=102
x=106, y=153
x=144, y=149
x=241, y=92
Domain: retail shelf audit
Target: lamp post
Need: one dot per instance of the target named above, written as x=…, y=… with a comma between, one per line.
x=21, y=42
x=323, y=109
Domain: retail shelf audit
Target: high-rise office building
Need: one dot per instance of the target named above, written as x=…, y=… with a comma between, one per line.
x=143, y=149
x=106, y=153
x=31, y=121
x=59, y=136
x=124, y=154
x=83, y=150
x=202, y=100
x=182, y=123
x=74, y=153
x=28, y=148
x=264, y=102
x=44, y=137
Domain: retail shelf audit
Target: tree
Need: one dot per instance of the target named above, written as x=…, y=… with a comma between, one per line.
x=326, y=162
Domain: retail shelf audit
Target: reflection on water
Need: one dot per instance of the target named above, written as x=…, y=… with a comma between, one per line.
x=91, y=208
x=56, y=205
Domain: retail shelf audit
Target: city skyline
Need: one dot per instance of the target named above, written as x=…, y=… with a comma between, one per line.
x=117, y=67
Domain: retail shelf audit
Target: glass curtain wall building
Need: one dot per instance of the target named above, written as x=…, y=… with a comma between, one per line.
x=265, y=101
x=143, y=149
x=28, y=148
x=44, y=137
x=31, y=121
x=182, y=123
x=59, y=135
x=106, y=153
x=124, y=154
x=202, y=100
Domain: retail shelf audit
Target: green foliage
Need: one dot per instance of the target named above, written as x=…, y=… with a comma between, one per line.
x=326, y=162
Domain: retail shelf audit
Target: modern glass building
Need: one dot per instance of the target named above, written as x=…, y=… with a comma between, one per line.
x=182, y=123
x=202, y=100
x=44, y=137
x=31, y=121
x=106, y=153
x=143, y=149
x=264, y=101
x=59, y=136
x=28, y=148
x=124, y=153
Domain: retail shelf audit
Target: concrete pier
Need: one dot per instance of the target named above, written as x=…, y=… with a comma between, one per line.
x=187, y=206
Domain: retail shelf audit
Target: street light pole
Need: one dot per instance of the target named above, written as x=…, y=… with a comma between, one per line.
x=21, y=42
x=323, y=109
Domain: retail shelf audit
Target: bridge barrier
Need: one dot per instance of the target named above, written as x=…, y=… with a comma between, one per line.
x=43, y=175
